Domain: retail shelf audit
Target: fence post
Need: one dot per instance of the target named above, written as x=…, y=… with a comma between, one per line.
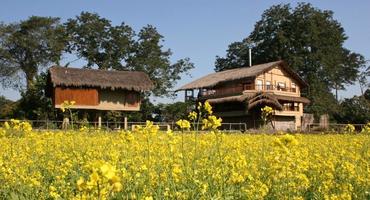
x=99, y=121
x=125, y=125
x=168, y=127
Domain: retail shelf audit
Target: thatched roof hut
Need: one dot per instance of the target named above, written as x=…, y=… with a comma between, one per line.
x=214, y=79
x=103, y=79
x=97, y=89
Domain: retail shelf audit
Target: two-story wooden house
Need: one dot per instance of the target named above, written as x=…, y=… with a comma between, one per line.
x=238, y=95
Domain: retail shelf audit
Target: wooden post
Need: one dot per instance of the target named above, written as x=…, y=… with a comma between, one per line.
x=65, y=123
x=168, y=127
x=99, y=120
x=125, y=123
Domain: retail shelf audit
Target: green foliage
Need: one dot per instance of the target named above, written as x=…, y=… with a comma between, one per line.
x=147, y=111
x=363, y=81
x=96, y=40
x=367, y=94
x=322, y=100
x=174, y=111
x=310, y=40
x=355, y=110
x=119, y=48
x=266, y=114
x=7, y=108
x=26, y=47
x=33, y=103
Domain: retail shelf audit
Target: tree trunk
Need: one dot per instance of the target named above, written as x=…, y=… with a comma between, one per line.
x=30, y=76
x=336, y=92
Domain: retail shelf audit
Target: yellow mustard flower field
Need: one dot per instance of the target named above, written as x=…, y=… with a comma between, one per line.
x=150, y=164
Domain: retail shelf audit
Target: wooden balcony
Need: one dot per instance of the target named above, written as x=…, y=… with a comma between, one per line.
x=271, y=88
x=221, y=92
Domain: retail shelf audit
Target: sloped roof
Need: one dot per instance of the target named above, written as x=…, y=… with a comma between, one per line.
x=216, y=78
x=75, y=77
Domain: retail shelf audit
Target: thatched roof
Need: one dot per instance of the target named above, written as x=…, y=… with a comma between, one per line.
x=236, y=98
x=295, y=99
x=262, y=98
x=217, y=78
x=74, y=77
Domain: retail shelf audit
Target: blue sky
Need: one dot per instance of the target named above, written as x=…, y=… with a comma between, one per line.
x=198, y=29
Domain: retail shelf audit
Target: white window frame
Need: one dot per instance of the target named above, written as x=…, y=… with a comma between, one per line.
x=293, y=85
x=268, y=85
x=281, y=85
x=259, y=84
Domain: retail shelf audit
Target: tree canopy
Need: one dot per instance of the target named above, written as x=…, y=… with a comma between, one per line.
x=355, y=110
x=27, y=46
x=310, y=40
x=119, y=48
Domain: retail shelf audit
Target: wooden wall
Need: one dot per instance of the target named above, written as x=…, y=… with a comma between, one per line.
x=119, y=100
x=81, y=96
x=230, y=88
x=99, y=99
x=132, y=99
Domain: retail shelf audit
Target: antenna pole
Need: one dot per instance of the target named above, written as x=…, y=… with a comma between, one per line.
x=250, y=56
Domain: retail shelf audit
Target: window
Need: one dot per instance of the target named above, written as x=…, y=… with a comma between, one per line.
x=248, y=86
x=259, y=85
x=287, y=106
x=281, y=86
x=268, y=85
x=290, y=106
x=294, y=87
x=296, y=106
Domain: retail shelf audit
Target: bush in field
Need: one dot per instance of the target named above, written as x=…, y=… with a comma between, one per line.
x=349, y=129
x=366, y=129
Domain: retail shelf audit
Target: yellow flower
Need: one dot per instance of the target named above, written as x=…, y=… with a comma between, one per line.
x=80, y=183
x=192, y=115
x=6, y=125
x=349, y=129
x=183, y=124
x=212, y=122
x=208, y=107
x=108, y=171
x=117, y=187
x=199, y=106
x=169, y=132
x=66, y=105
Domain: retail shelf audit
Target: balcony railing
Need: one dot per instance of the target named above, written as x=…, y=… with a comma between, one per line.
x=290, y=108
x=239, y=90
x=222, y=92
x=271, y=88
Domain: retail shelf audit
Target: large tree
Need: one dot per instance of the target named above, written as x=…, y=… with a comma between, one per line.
x=26, y=47
x=109, y=47
x=95, y=39
x=310, y=40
